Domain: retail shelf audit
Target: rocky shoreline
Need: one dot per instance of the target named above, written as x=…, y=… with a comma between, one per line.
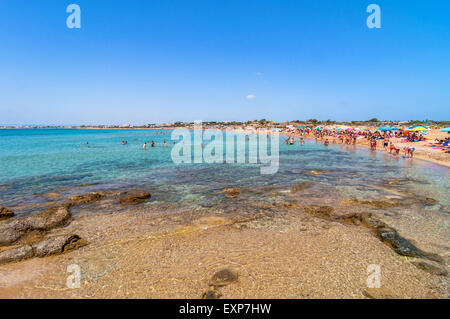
x=33, y=236
x=133, y=247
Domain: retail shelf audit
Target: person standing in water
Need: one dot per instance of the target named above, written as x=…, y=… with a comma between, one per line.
x=144, y=147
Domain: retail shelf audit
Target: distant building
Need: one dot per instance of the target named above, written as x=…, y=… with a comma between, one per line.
x=125, y=126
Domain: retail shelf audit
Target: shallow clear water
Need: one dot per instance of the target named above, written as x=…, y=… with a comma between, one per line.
x=38, y=161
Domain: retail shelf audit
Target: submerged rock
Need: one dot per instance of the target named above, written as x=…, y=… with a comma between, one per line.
x=301, y=186
x=352, y=218
x=48, y=219
x=54, y=217
x=377, y=293
x=211, y=294
x=231, y=192
x=12, y=231
x=16, y=254
x=314, y=172
x=86, y=198
x=134, y=198
x=5, y=213
x=223, y=278
x=402, y=246
x=430, y=201
x=364, y=218
x=320, y=211
x=386, y=234
x=57, y=244
x=431, y=268
x=383, y=204
x=52, y=195
x=50, y=245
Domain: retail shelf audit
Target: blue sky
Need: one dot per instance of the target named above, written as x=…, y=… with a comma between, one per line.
x=147, y=61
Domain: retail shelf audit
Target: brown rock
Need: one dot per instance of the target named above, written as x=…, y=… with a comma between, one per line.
x=431, y=268
x=314, y=172
x=16, y=254
x=86, y=198
x=52, y=195
x=383, y=204
x=223, y=278
x=301, y=186
x=12, y=231
x=377, y=293
x=211, y=294
x=49, y=218
x=231, y=192
x=430, y=201
x=320, y=211
x=52, y=245
x=134, y=198
x=5, y=213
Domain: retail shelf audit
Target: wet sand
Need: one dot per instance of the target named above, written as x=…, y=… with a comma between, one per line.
x=277, y=252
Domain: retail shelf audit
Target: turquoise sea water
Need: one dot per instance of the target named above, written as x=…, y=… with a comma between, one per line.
x=37, y=161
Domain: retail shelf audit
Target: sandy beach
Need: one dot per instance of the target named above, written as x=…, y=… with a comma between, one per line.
x=285, y=250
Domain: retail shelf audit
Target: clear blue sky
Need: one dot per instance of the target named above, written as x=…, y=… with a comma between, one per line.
x=147, y=61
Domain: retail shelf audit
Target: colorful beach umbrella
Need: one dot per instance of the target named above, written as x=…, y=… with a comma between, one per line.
x=447, y=129
x=388, y=128
x=419, y=129
x=416, y=126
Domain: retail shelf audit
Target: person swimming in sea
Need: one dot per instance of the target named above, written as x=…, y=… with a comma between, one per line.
x=327, y=142
x=391, y=147
x=386, y=143
x=291, y=140
x=152, y=144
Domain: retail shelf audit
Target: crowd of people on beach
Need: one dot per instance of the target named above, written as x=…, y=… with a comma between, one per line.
x=376, y=138
x=351, y=136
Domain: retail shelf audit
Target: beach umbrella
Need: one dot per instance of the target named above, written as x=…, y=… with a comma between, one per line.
x=447, y=129
x=419, y=129
x=416, y=126
x=388, y=128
